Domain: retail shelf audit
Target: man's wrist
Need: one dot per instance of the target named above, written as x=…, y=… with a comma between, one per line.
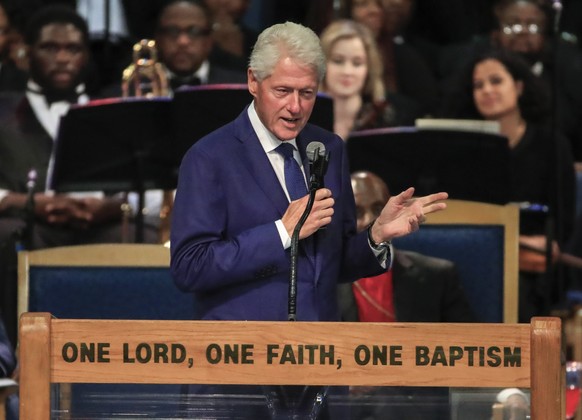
x=375, y=245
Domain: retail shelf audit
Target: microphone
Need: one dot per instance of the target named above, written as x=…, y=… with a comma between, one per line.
x=557, y=4
x=318, y=160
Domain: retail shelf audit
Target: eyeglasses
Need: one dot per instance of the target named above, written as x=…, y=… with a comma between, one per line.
x=518, y=28
x=191, y=32
x=53, y=48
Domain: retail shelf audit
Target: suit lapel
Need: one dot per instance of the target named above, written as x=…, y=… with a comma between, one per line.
x=259, y=164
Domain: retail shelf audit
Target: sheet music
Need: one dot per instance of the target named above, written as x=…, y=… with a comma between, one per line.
x=480, y=126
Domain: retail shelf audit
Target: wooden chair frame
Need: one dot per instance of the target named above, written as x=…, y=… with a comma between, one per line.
x=43, y=340
x=477, y=213
x=99, y=255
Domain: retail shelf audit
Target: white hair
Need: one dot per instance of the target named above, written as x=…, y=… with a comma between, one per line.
x=286, y=40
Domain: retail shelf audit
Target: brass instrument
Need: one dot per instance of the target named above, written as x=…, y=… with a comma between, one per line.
x=145, y=77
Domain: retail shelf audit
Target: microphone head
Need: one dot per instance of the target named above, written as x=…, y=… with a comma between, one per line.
x=314, y=150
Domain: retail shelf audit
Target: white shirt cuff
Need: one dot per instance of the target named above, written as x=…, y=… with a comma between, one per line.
x=285, y=238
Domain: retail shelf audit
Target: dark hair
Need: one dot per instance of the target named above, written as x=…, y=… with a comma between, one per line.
x=49, y=15
x=197, y=3
x=533, y=101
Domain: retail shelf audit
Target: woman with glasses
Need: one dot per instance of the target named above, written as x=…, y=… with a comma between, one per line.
x=184, y=42
x=525, y=27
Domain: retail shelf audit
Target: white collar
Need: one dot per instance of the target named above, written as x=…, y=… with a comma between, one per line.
x=202, y=72
x=268, y=140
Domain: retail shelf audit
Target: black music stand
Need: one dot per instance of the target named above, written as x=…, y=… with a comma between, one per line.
x=137, y=144
x=199, y=110
x=468, y=165
x=116, y=145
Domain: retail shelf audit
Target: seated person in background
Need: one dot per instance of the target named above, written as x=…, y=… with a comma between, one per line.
x=405, y=70
x=233, y=40
x=184, y=42
x=524, y=27
x=8, y=369
x=58, y=52
x=418, y=288
x=58, y=42
x=185, y=48
x=354, y=81
x=12, y=79
x=499, y=86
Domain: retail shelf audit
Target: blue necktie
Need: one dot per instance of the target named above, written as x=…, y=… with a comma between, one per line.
x=294, y=179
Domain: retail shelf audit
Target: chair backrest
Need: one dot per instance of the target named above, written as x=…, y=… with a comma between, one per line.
x=421, y=354
x=482, y=239
x=104, y=281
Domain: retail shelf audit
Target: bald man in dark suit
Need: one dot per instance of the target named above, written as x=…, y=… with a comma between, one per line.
x=424, y=288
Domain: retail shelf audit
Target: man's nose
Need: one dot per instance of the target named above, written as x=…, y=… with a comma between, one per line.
x=63, y=55
x=294, y=102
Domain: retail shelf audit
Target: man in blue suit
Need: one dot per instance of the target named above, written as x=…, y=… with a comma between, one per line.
x=235, y=210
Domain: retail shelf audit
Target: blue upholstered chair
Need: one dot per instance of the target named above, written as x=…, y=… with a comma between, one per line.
x=482, y=239
x=105, y=281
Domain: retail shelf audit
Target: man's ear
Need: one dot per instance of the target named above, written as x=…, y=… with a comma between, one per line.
x=252, y=82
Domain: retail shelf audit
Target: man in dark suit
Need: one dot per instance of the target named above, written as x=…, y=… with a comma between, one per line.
x=235, y=209
x=58, y=42
x=184, y=43
x=242, y=190
x=418, y=288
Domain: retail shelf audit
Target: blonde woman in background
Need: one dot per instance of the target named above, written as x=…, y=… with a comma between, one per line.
x=354, y=81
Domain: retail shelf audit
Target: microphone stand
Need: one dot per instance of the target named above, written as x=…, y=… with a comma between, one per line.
x=292, y=304
x=293, y=398
x=25, y=236
x=554, y=229
x=318, y=168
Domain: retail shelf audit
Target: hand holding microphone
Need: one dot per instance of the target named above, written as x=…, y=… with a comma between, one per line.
x=320, y=215
x=314, y=211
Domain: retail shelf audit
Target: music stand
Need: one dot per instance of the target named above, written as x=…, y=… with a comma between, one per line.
x=468, y=165
x=199, y=110
x=115, y=145
x=137, y=144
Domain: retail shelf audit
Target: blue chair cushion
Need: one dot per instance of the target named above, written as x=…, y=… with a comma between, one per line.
x=477, y=251
x=108, y=293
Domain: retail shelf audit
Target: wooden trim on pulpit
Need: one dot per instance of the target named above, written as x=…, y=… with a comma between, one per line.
x=290, y=353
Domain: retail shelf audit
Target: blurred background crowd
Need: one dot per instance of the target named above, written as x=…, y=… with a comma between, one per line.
x=389, y=62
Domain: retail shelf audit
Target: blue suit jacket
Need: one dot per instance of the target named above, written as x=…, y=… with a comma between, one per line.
x=226, y=248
